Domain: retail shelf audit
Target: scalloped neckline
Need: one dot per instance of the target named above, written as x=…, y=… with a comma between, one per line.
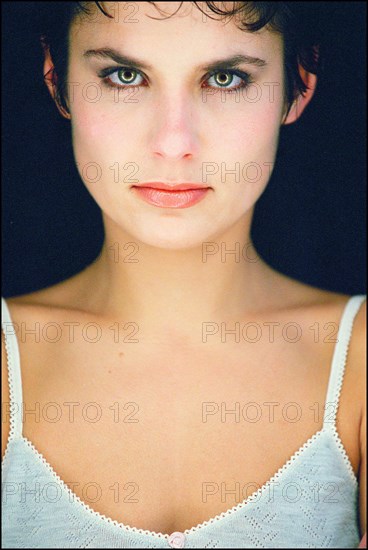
x=281, y=471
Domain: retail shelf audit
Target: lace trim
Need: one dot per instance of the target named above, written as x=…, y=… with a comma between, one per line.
x=13, y=406
x=84, y=504
x=291, y=461
x=344, y=455
x=258, y=492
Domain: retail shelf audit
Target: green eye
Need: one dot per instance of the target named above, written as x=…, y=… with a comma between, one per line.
x=127, y=76
x=229, y=81
x=223, y=79
x=123, y=77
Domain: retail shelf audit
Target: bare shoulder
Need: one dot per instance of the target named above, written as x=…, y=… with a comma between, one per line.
x=286, y=293
x=358, y=343
x=69, y=294
x=22, y=309
x=60, y=295
x=30, y=308
x=332, y=305
x=358, y=355
x=314, y=302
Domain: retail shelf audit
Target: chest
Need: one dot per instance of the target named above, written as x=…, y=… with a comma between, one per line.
x=164, y=437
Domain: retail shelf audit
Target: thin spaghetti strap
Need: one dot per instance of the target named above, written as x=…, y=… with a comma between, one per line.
x=339, y=359
x=14, y=372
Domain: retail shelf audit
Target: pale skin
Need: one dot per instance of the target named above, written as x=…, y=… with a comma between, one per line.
x=169, y=133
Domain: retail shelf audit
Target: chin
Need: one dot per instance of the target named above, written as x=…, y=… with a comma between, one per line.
x=172, y=243
x=172, y=239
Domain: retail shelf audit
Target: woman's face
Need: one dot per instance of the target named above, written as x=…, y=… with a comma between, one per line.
x=178, y=124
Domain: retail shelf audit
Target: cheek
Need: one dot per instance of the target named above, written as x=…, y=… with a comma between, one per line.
x=251, y=145
x=95, y=131
x=248, y=146
x=103, y=145
x=255, y=127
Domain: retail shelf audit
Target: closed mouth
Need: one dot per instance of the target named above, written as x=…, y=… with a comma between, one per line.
x=160, y=186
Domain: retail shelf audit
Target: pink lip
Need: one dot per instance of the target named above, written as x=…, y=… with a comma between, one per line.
x=168, y=187
x=165, y=196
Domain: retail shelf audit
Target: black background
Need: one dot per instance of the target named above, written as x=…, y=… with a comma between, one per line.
x=308, y=224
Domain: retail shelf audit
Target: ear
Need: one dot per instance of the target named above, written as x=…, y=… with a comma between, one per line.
x=49, y=73
x=302, y=101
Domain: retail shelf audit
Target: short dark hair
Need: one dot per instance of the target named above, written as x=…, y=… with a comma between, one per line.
x=299, y=23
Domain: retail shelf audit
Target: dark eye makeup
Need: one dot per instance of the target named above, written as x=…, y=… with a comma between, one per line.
x=229, y=74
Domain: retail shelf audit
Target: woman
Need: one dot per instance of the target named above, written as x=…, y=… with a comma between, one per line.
x=139, y=424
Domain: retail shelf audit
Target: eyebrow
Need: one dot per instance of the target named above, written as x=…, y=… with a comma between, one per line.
x=229, y=62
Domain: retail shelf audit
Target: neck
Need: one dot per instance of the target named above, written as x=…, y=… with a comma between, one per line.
x=173, y=290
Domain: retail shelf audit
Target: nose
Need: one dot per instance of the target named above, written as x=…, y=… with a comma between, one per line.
x=175, y=133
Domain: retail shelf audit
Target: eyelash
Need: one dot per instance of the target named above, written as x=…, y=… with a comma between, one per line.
x=105, y=73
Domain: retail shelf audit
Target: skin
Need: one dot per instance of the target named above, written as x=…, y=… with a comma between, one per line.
x=169, y=133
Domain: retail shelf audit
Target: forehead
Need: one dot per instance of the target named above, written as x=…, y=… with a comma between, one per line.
x=188, y=33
